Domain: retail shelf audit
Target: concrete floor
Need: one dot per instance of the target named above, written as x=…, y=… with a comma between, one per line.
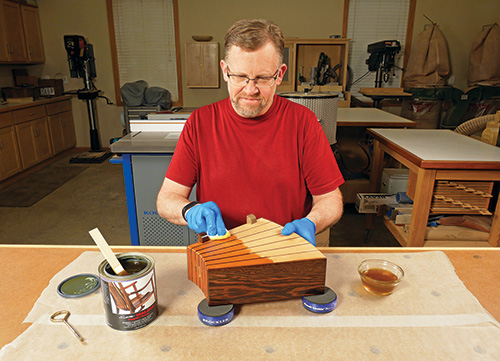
x=96, y=198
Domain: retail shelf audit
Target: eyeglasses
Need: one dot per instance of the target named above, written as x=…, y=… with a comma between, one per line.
x=260, y=81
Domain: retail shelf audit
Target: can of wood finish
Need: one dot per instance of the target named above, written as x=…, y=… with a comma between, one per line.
x=130, y=302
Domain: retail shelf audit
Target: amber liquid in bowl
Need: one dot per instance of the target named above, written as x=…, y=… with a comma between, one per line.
x=379, y=281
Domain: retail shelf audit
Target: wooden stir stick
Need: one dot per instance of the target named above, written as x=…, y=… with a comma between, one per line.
x=107, y=252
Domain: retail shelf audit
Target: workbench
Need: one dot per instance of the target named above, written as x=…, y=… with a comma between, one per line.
x=432, y=155
x=274, y=330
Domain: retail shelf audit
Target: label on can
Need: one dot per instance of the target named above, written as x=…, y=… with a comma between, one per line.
x=130, y=301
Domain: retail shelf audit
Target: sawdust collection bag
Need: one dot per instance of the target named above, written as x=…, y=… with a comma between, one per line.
x=429, y=62
x=484, y=60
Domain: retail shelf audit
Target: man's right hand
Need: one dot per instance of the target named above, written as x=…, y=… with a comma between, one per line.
x=206, y=217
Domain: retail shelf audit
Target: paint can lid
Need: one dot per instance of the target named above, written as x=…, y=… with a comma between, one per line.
x=322, y=303
x=79, y=285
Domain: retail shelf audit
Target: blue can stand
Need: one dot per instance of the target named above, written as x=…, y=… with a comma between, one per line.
x=322, y=303
x=215, y=315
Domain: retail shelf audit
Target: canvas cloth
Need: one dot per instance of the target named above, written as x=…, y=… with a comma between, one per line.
x=431, y=316
x=429, y=63
x=139, y=93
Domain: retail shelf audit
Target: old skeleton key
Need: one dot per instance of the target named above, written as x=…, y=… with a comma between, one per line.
x=65, y=314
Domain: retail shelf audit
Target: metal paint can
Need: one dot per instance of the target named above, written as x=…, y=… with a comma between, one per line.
x=130, y=301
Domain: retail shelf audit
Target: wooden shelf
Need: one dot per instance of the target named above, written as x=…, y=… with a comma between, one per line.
x=397, y=231
x=303, y=54
x=444, y=239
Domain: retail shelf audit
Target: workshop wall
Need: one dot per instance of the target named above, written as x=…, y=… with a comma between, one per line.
x=459, y=20
x=311, y=19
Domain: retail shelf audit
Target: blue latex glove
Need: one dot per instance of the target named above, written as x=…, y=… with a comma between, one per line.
x=303, y=227
x=206, y=217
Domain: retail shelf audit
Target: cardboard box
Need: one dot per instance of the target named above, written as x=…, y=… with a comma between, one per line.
x=51, y=87
x=394, y=180
x=370, y=202
x=26, y=81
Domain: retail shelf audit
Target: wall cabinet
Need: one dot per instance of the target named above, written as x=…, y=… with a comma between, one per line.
x=302, y=55
x=12, y=32
x=33, y=34
x=202, y=65
x=4, y=56
x=34, y=132
x=20, y=34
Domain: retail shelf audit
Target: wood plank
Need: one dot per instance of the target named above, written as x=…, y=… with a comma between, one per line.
x=270, y=256
x=459, y=174
x=263, y=250
x=375, y=179
x=494, y=238
x=396, y=231
x=393, y=92
x=421, y=207
x=443, y=243
x=412, y=183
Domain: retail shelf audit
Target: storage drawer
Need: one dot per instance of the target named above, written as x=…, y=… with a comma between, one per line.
x=6, y=119
x=24, y=115
x=58, y=107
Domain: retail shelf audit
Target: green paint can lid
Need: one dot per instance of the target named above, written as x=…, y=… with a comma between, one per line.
x=78, y=285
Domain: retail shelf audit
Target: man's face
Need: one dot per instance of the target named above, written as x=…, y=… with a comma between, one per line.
x=250, y=100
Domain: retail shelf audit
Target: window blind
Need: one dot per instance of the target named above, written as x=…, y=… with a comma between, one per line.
x=371, y=21
x=145, y=42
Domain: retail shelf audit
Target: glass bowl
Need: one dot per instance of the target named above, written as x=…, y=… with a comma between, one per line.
x=379, y=276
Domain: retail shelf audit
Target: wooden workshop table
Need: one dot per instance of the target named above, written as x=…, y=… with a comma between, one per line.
x=379, y=94
x=28, y=270
x=351, y=130
x=432, y=154
x=371, y=117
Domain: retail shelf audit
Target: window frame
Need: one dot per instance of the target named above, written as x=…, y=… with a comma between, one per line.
x=409, y=32
x=114, y=53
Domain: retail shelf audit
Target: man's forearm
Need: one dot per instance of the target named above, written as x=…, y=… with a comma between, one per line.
x=171, y=199
x=327, y=210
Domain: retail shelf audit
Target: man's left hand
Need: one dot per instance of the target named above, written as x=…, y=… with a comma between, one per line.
x=303, y=227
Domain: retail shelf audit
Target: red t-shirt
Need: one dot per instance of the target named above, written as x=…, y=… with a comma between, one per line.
x=267, y=166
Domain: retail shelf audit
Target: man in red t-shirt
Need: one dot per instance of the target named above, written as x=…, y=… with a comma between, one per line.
x=254, y=152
